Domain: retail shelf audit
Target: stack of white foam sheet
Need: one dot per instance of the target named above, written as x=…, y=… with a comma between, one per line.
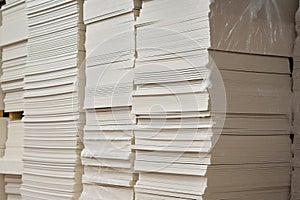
x=13, y=35
x=12, y=79
x=14, y=22
x=1, y=92
x=110, y=58
x=107, y=156
x=53, y=120
x=10, y=1
x=212, y=124
x=296, y=115
x=11, y=162
x=3, y=138
x=13, y=186
x=108, y=9
x=14, y=143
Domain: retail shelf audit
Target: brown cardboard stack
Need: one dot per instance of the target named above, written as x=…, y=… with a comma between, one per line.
x=53, y=118
x=107, y=156
x=13, y=34
x=296, y=115
x=181, y=149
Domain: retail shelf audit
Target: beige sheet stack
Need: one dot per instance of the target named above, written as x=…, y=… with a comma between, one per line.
x=53, y=119
x=179, y=98
x=13, y=186
x=107, y=156
x=13, y=34
x=2, y=187
x=296, y=110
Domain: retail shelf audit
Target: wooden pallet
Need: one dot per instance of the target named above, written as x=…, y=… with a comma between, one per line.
x=15, y=115
x=12, y=115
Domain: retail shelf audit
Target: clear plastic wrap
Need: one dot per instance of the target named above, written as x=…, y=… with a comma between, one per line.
x=258, y=27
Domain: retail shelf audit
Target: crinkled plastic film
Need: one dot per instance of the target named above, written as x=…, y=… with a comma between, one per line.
x=259, y=27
